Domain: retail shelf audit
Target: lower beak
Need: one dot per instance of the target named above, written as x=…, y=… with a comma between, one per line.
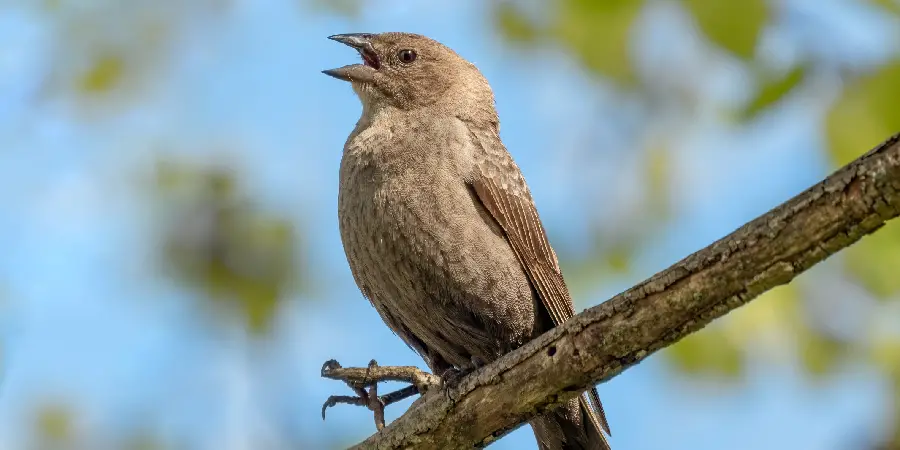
x=354, y=72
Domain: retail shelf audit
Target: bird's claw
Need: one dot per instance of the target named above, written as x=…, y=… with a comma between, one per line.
x=329, y=366
x=358, y=379
x=452, y=376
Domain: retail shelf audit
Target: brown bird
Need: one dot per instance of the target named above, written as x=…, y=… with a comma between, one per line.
x=438, y=225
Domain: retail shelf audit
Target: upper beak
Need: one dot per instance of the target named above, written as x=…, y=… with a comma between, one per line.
x=355, y=40
x=362, y=42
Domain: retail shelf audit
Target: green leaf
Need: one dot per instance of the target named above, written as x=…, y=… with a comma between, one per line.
x=54, y=424
x=346, y=8
x=144, y=440
x=884, y=352
x=773, y=90
x=734, y=25
x=818, y=353
x=891, y=6
x=875, y=261
x=866, y=114
x=618, y=259
x=597, y=33
x=242, y=259
x=513, y=24
x=658, y=175
x=709, y=352
x=769, y=315
x=719, y=348
x=104, y=74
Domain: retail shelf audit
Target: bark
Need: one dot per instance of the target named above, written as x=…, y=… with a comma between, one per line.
x=601, y=342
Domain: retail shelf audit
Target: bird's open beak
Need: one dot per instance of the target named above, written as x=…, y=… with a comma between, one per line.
x=363, y=73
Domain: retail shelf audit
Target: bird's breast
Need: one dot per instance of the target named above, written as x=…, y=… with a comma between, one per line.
x=403, y=185
x=423, y=249
x=396, y=214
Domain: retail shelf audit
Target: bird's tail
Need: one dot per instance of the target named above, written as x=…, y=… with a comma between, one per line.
x=577, y=425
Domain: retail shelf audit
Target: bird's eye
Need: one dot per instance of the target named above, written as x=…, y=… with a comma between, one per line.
x=407, y=56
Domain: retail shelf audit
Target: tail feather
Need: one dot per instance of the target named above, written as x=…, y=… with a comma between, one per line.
x=597, y=410
x=575, y=425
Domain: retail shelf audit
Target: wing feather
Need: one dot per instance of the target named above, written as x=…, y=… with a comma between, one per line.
x=501, y=189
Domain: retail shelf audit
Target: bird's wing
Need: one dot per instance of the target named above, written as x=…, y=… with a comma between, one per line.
x=502, y=190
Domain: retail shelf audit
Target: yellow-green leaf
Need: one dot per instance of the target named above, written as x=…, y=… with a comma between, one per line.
x=597, y=33
x=54, y=423
x=657, y=170
x=242, y=259
x=875, y=261
x=103, y=75
x=773, y=90
x=818, y=353
x=707, y=352
x=143, y=441
x=618, y=259
x=892, y=6
x=513, y=24
x=866, y=114
x=347, y=8
x=734, y=25
x=885, y=353
x=768, y=317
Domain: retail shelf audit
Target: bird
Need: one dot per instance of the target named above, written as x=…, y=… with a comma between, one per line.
x=439, y=227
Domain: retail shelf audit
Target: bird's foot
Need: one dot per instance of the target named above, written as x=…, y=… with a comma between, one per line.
x=358, y=379
x=452, y=376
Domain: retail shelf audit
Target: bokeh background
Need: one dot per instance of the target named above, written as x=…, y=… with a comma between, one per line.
x=171, y=275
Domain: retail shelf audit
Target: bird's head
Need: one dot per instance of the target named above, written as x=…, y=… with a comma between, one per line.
x=410, y=71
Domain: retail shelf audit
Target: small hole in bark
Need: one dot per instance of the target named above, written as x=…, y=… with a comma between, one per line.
x=575, y=352
x=551, y=351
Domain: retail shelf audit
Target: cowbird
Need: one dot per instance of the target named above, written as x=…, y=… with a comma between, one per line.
x=438, y=225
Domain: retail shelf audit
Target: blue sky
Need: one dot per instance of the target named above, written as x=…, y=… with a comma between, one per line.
x=85, y=318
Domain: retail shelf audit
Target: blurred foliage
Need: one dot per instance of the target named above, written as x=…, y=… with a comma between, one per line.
x=514, y=24
x=103, y=74
x=598, y=33
x=819, y=354
x=866, y=113
x=658, y=179
x=218, y=241
x=612, y=251
x=347, y=8
x=708, y=352
x=885, y=351
x=773, y=88
x=892, y=6
x=595, y=32
x=53, y=424
x=143, y=441
x=95, y=58
x=875, y=260
x=734, y=26
x=608, y=259
x=720, y=348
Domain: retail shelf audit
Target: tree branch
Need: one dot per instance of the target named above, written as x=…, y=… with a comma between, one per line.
x=601, y=342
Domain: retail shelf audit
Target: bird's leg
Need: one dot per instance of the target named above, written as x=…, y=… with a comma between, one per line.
x=452, y=376
x=358, y=379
